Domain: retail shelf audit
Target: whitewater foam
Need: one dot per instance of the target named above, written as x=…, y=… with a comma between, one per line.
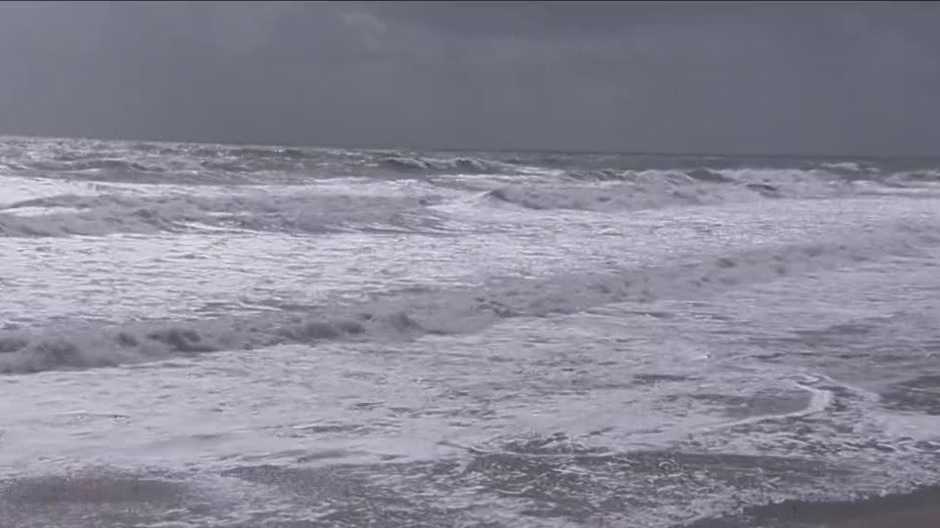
x=501, y=338
x=412, y=314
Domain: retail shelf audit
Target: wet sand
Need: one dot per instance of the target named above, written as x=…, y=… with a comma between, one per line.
x=911, y=519
x=912, y=511
x=112, y=499
x=920, y=509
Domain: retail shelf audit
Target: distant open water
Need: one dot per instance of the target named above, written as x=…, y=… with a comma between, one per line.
x=212, y=335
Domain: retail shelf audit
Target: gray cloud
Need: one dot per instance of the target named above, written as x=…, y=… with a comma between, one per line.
x=723, y=77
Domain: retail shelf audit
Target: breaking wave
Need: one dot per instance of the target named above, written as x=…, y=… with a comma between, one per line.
x=442, y=311
x=65, y=215
x=656, y=189
x=407, y=205
x=466, y=165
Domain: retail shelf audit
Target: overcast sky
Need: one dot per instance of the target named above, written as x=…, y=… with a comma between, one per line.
x=724, y=78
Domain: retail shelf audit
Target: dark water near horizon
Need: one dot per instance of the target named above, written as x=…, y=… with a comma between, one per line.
x=213, y=335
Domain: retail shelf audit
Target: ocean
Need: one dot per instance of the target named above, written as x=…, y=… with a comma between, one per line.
x=250, y=336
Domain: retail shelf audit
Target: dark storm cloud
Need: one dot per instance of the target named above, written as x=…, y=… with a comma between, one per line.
x=722, y=77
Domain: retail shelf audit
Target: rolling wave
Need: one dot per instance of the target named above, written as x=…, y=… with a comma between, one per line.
x=658, y=189
x=442, y=311
x=308, y=213
x=407, y=206
x=141, y=162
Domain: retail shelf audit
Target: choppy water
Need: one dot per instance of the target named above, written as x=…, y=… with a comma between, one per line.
x=208, y=335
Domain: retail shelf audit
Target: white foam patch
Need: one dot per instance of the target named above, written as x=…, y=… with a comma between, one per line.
x=14, y=189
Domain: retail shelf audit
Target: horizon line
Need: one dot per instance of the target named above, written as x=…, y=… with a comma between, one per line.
x=651, y=152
